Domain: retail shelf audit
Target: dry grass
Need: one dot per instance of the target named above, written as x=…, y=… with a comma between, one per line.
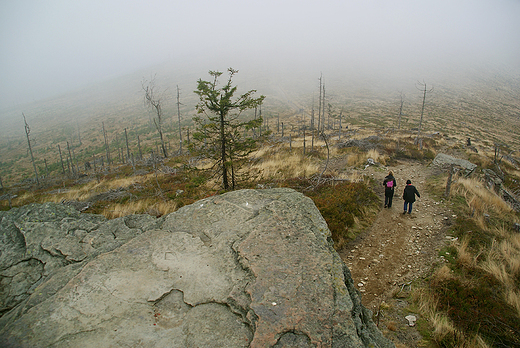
x=284, y=165
x=352, y=176
x=360, y=158
x=84, y=192
x=443, y=330
x=503, y=263
x=464, y=255
x=478, y=256
x=480, y=199
x=442, y=327
x=144, y=206
x=392, y=326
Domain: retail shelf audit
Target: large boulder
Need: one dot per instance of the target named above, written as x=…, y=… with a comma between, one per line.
x=252, y=268
x=43, y=241
x=444, y=161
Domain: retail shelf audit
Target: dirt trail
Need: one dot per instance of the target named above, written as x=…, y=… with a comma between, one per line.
x=398, y=248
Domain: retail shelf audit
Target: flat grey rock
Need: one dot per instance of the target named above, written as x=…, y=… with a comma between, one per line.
x=251, y=268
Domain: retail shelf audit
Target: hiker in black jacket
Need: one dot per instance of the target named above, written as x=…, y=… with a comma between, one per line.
x=409, y=196
x=389, y=184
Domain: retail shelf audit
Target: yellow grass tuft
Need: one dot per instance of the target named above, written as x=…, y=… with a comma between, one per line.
x=464, y=256
x=285, y=165
x=442, y=274
x=513, y=299
x=143, y=206
x=480, y=199
x=84, y=192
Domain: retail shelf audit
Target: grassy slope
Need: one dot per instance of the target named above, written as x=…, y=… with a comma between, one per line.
x=473, y=300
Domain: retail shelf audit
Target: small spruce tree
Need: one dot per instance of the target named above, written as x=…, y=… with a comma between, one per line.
x=222, y=133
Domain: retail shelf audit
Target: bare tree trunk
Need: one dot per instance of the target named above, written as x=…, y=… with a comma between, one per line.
x=400, y=112
x=27, y=132
x=319, y=108
x=61, y=159
x=303, y=116
x=223, y=154
x=155, y=103
x=340, y=115
x=71, y=161
x=328, y=155
x=179, y=118
x=260, y=115
x=422, y=112
x=323, y=112
x=254, y=129
x=127, y=147
x=106, y=143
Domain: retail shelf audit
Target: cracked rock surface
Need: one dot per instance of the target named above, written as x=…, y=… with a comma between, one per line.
x=250, y=268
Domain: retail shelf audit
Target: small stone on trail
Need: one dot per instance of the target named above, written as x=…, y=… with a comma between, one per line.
x=411, y=320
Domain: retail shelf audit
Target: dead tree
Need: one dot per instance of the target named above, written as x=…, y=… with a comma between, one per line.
x=400, y=111
x=27, y=132
x=71, y=161
x=106, y=143
x=323, y=111
x=303, y=129
x=179, y=118
x=312, y=125
x=424, y=90
x=127, y=147
x=340, y=116
x=449, y=181
x=61, y=159
x=154, y=102
x=319, y=107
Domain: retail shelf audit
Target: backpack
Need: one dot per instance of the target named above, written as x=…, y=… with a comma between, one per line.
x=390, y=183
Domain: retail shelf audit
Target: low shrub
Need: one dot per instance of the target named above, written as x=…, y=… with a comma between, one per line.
x=346, y=207
x=477, y=306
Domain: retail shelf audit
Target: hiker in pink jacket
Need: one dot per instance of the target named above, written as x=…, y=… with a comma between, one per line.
x=389, y=184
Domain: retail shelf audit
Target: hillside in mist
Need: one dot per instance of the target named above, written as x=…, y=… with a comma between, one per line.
x=480, y=102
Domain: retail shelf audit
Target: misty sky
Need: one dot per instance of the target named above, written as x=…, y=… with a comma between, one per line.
x=49, y=47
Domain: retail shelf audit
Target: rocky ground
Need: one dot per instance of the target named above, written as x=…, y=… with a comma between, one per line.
x=397, y=250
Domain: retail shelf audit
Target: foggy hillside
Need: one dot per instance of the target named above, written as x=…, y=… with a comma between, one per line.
x=287, y=91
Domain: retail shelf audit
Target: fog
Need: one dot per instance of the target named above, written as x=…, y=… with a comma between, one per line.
x=51, y=47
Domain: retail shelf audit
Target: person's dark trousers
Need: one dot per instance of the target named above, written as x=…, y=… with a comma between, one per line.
x=409, y=205
x=388, y=201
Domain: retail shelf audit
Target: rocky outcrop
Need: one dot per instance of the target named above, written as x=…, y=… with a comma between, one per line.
x=445, y=161
x=252, y=268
